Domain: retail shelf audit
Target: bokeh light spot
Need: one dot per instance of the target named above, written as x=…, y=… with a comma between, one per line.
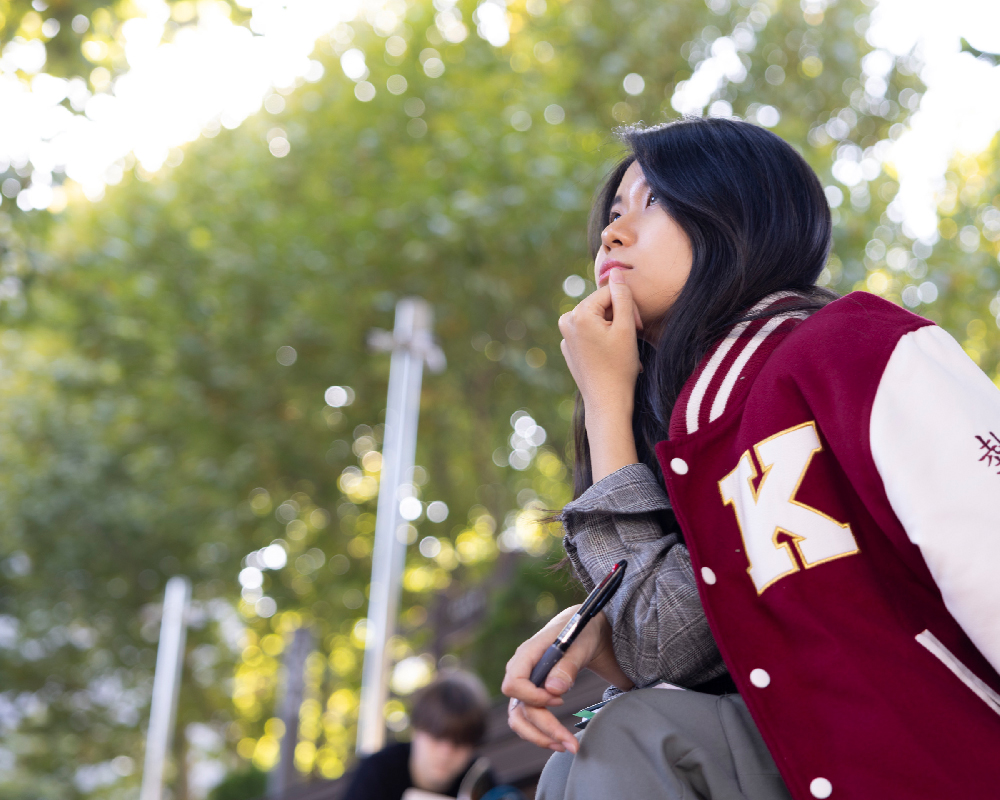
x=437, y=511
x=410, y=508
x=634, y=83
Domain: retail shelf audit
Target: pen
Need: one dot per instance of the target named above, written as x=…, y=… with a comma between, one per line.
x=595, y=601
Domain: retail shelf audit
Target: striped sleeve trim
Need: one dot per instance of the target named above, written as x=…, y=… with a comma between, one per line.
x=712, y=386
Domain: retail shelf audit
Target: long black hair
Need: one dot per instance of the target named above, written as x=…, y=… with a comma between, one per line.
x=758, y=222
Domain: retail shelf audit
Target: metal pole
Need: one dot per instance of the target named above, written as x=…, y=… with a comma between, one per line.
x=411, y=346
x=283, y=776
x=166, y=686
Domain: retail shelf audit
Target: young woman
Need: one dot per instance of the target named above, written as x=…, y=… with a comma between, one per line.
x=806, y=490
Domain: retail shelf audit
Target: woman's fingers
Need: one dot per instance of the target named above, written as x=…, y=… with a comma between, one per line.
x=518, y=723
x=578, y=656
x=596, y=306
x=527, y=713
x=521, y=688
x=517, y=681
x=540, y=727
x=621, y=299
x=599, y=310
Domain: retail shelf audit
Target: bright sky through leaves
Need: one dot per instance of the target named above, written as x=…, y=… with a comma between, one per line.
x=216, y=73
x=219, y=73
x=961, y=107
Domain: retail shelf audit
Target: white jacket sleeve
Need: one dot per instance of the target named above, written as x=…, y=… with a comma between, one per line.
x=935, y=424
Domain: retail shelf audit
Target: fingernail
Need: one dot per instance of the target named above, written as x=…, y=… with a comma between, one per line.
x=556, y=685
x=617, y=277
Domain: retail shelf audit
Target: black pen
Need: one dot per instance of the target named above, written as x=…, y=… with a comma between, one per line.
x=595, y=601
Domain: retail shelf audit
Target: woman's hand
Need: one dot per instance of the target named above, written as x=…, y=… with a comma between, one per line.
x=600, y=348
x=528, y=714
x=599, y=345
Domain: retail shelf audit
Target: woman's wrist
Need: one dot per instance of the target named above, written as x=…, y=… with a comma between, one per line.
x=604, y=664
x=612, y=444
x=612, y=402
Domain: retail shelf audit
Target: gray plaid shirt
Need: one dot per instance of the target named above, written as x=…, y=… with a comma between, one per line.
x=659, y=628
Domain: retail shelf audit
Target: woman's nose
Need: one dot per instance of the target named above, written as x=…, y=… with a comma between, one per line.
x=614, y=235
x=608, y=237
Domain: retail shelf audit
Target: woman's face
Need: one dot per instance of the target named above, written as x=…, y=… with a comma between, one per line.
x=652, y=250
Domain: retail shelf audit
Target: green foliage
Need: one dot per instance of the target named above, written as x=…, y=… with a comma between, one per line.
x=989, y=58
x=243, y=785
x=148, y=427
x=965, y=264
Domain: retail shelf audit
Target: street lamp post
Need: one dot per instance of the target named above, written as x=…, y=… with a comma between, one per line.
x=411, y=345
x=166, y=686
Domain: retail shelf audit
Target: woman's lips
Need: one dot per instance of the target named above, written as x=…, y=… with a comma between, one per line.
x=606, y=268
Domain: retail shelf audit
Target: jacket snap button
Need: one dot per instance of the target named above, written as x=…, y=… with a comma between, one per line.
x=821, y=787
x=760, y=679
x=679, y=465
x=707, y=575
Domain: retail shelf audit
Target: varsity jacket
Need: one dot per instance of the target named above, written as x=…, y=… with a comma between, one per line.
x=836, y=479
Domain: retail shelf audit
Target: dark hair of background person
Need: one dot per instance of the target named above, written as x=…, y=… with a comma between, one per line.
x=758, y=222
x=452, y=707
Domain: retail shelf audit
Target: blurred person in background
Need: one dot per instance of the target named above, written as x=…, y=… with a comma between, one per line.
x=448, y=721
x=805, y=488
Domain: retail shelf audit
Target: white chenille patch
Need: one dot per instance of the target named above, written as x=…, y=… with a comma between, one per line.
x=772, y=507
x=707, y=575
x=821, y=787
x=760, y=678
x=679, y=465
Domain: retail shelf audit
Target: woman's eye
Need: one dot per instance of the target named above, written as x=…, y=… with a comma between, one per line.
x=613, y=216
x=652, y=199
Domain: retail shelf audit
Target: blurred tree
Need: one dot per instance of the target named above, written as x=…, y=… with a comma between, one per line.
x=990, y=58
x=167, y=352
x=241, y=785
x=964, y=269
